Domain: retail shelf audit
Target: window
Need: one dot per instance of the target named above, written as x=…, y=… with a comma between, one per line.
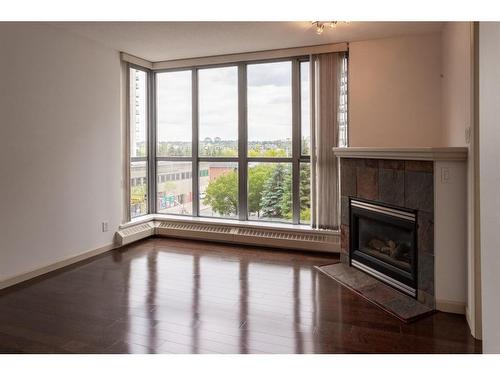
x=232, y=141
x=174, y=145
x=342, y=110
x=174, y=113
x=218, y=112
x=270, y=191
x=305, y=112
x=219, y=189
x=175, y=197
x=138, y=168
x=270, y=109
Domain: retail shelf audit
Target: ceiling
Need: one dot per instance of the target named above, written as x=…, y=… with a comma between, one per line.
x=157, y=41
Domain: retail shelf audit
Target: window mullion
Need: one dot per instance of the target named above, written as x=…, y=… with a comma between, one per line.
x=296, y=151
x=242, y=142
x=152, y=141
x=195, y=118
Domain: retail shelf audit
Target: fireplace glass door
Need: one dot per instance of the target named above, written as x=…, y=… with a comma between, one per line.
x=383, y=243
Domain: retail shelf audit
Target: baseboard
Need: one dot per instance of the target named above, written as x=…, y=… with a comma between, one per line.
x=450, y=306
x=55, y=266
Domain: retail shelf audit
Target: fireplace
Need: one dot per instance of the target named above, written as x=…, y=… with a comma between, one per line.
x=383, y=243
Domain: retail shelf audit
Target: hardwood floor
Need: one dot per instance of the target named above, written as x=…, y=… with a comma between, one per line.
x=174, y=296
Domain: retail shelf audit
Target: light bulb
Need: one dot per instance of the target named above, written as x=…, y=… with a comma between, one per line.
x=319, y=29
x=332, y=24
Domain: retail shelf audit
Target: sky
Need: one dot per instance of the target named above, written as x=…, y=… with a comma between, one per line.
x=269, y=103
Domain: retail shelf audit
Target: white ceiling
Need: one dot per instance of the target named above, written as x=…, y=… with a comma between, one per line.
x=157, y=41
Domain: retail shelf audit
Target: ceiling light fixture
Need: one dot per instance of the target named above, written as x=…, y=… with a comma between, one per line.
x=320, y=25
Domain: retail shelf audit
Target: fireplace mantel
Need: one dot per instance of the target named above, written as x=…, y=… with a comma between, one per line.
x=432, y=181
x=402, y=153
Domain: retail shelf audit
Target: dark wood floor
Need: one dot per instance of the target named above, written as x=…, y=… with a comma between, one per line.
x=174, y=296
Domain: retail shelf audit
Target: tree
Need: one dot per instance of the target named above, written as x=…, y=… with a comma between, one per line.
x=222, y=194
x=305, y=195
x=274, y=189
x=285, y=203
x=258, y=175
x=272, y=152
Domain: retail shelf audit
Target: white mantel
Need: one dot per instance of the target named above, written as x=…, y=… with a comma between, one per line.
x=399, y=153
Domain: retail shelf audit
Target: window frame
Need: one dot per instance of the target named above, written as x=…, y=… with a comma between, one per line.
x=148, y=134
x=242, y=159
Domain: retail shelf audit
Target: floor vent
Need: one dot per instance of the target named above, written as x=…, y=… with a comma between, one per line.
x=195, y=231
x=287, y=239
x=194, y=227
x=282, y=237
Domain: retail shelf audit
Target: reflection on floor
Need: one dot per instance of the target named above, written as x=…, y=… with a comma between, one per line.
x=176, y=296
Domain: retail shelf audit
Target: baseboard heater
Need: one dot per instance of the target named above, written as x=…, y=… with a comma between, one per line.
x=325, y=241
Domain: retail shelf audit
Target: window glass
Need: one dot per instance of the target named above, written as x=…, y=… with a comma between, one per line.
x=305, y=193
x=174, y=196
x=138, y=113
x=174, y=113
x=218, y=186
x=270, y=191
x=218, y=111
x=305, y=109
x=269, y=109
x=138, y=189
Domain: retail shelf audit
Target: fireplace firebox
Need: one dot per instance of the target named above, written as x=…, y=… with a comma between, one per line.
x=383, y=243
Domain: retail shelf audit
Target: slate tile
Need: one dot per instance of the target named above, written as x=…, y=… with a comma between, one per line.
x=392, y=186
x=419, y=166
x=419, y=191
x=367, y=183
x=348, y=177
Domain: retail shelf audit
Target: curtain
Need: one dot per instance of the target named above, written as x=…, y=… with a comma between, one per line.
x=329, y=112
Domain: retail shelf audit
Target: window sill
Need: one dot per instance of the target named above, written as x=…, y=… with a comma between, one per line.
x=227, y=222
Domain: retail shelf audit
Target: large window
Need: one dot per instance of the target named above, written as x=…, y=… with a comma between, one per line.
x=231, y=141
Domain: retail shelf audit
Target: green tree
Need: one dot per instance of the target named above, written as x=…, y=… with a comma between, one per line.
x=270, y=153
x=273, y=191
x=258, y=175
x=222, y=194
x=285, y=203
x=305, y=195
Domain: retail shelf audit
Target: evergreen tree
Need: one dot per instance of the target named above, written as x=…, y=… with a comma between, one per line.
x=286, y=199
x=305, y=195
x=258, y=175
x=273, y=192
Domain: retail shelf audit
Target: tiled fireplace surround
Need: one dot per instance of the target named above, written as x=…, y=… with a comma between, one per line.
x=405, y=183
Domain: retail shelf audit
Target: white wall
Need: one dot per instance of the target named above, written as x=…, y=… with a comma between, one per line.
x=60, y=154
x=395, y=92
x=457, y=118
x=456, y=82
x=489, y=156
x=450, y=236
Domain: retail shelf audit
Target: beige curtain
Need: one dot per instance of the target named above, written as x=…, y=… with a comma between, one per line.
x=327, y=70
